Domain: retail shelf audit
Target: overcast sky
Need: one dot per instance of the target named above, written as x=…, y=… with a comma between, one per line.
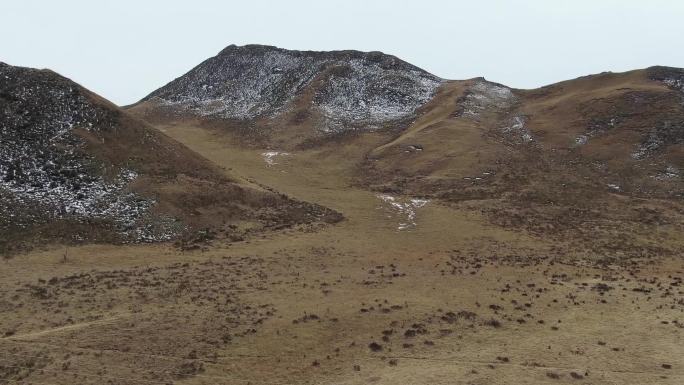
x=125, y=49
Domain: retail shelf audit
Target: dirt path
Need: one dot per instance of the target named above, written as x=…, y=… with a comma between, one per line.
x=67, y=328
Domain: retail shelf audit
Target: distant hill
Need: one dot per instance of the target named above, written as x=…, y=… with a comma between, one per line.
x=332, y=92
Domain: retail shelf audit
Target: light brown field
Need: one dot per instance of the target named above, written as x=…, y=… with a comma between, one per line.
x=453, y=300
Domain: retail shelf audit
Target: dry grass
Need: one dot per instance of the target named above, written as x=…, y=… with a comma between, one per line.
x=467, y=296
x=453, y=300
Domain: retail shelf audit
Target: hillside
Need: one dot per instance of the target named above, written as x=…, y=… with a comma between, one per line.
x=268, y=87
x=491, y=235
x=590, y=159
x=75, y=168
x=595, y=158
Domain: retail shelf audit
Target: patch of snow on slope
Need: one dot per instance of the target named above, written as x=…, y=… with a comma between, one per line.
x=581, y=140
x=675, y=83
x=366, y=92
x=270, y=157
x=666, y=133
x=670, y=172
x=673, y=78
x=484, y=95
x=518, y=131
x=404, y=208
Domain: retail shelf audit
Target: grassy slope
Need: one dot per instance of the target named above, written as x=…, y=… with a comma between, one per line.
x=315, y=300
x=303, y=307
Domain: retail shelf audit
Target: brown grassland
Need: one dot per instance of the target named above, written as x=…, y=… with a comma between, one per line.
x=453, y=300
x=465, y=287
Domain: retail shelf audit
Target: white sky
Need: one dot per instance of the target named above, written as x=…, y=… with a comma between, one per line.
x=124, y=49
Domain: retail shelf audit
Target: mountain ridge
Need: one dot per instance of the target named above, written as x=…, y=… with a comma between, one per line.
x=74, y=167
x=345, y=89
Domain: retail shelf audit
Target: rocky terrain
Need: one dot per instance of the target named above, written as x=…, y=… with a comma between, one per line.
x=74, y=166
x=341, y=90
x=44, y=170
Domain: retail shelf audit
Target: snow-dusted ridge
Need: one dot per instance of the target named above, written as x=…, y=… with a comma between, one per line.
x=669, y=76
x=350, y=88
x=43, y=166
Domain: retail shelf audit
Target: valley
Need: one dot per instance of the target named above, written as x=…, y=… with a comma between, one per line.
x=452, y=300
x=475, y=236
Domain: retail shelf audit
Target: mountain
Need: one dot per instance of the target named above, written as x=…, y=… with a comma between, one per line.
x=591, y=157
x=627, y=129
x=599, y=157
x=491, y=235
x=74, y=167
x=332, y=92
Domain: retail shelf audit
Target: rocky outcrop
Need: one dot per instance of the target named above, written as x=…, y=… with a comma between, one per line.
x=43, y=163
x=350, y=89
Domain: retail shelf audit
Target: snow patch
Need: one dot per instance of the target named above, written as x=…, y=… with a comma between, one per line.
x=581, y=140
x=674, y=83
x=666, y=133
x=484, y=95
x=270, y=157
x=670, y=172
x=406, y=209
x=518, y=131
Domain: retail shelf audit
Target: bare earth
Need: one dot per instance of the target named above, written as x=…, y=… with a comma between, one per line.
x=403, y=293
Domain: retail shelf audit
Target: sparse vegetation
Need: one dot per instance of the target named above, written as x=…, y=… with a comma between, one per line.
x=536, y=244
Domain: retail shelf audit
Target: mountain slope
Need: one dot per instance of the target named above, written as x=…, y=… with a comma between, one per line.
x=593, y=158
x=330, y=91
x=598, y=158
x=74, y=167
x=630, y=123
